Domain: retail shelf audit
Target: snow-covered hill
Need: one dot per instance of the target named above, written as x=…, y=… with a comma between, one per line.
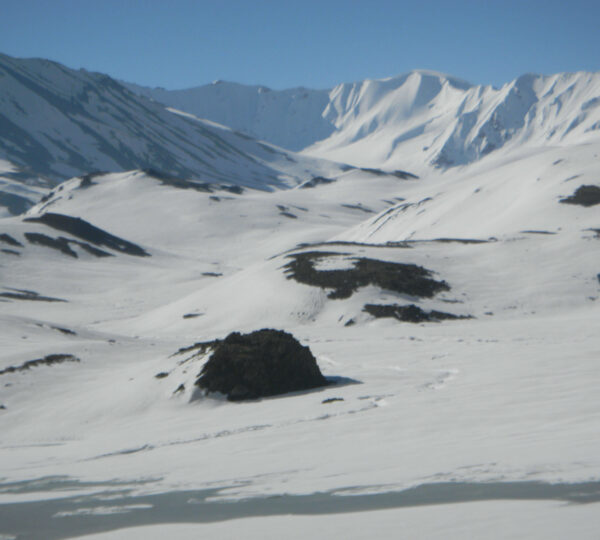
x=417, y=120
x=99, y=407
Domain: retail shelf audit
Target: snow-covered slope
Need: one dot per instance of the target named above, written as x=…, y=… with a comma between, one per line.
x=58, y=123
x=417, y=120
x=481, y=411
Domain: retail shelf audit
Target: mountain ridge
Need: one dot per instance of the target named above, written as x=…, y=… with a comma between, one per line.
x=410, y=119
x=58, y=123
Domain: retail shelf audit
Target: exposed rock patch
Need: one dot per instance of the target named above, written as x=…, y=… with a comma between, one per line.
x=8, y=239
x=65, y=331
x=236, y=190
x=48, y=360
x=332, y=400
x=586, y=195
x=316, y=181
x=87, y=179
x=179, y=183
x=358, y=207
x=402, y=278
x=410, y=313
x=88, y=232
x=63, y=245
x=22, y=294
x=403, y=175
x=456, y=240
x=60, y=244
x=263, y=363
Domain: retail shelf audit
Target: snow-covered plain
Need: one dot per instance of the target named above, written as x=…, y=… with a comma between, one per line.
x=480, y=427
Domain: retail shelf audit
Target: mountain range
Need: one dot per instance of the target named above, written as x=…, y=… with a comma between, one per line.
x=414, y=120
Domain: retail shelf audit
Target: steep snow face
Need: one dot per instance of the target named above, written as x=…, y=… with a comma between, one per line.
x=425, y=118
x=59, y=122
x=417, y=121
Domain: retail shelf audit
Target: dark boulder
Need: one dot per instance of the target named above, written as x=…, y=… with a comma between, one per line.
x=263, y=363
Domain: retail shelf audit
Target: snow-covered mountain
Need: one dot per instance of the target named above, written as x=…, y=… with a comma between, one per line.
x=56, y=123
x=415, y=120
x=292, y=119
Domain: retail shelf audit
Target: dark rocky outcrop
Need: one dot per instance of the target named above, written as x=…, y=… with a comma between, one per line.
x=65, y=331
x=399, y=277
x=179, y=183
x=10, y=252
x=88, y=232
x=22, y=294
x=8, y=239
x=457, y=240
x=359, y=207
x=87, y=179
x=60, y=244
x=63, y=245
x=403, y=175
x=316, y=181
x=48, y=360
x=586, y=195
x=263, y=363
x=332, y=400
x=409, y=313
x=236, y=190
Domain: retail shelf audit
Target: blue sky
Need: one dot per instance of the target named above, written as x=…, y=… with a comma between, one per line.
x=286, y=43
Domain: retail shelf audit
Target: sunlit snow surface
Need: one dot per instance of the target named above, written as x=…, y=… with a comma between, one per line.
x=485, y=427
